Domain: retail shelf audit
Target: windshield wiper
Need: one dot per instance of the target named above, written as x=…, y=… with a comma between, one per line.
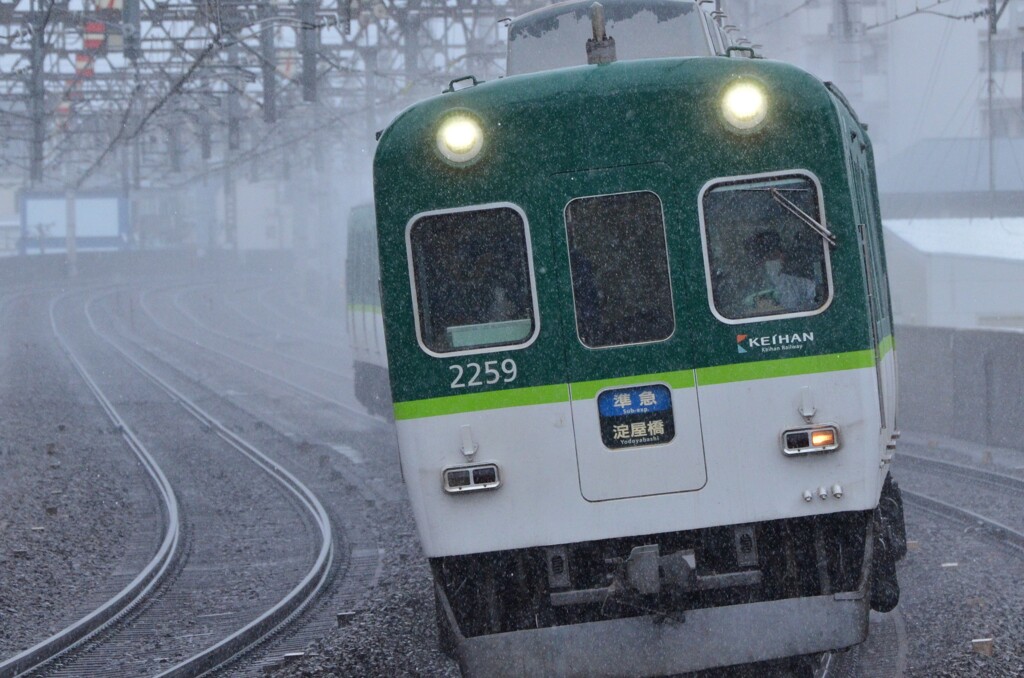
x=807, y=219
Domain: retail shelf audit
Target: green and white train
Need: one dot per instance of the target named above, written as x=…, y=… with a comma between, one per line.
x=641, y=351
x=365, y=325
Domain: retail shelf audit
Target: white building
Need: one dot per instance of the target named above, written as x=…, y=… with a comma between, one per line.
x=962, y=273
x=912, y=75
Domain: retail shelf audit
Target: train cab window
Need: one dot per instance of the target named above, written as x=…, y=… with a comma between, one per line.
x=472, y=279
x=763, y=260
x=618, y=258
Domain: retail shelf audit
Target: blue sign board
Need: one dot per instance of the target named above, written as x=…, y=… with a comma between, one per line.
x=637, y=415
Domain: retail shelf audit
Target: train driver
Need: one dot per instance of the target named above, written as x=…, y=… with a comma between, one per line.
x=775, y=290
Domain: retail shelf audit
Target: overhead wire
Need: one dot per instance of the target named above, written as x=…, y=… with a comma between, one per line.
x=214, y=44
x=782, y=17
x=927, y=9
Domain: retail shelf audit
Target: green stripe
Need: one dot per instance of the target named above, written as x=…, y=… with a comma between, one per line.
x=364, y=308
x=789, y=367
x=585, y=390
x=559, y=393
x=474, y=402
x=886, y=345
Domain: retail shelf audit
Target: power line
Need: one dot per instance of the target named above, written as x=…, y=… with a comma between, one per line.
x=214, y=45
x=928, y=9
x=784, y=16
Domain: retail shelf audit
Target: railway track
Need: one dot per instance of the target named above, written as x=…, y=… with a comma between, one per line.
x=328, y=328
x=147, y=579
x=180, y=306
x=247, y=398
x=239, y=297
x=993, y=480
x=303, y=592
x=254, y=367
x=82, y=649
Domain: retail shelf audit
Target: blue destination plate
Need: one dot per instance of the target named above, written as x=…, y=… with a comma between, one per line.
x=636, y=416
x=634, y=400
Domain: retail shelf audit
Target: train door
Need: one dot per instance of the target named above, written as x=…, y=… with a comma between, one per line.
x=628, y=361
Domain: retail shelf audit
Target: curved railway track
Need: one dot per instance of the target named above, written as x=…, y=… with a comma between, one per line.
x=146, y=580
x=244, y=395
x=302, y=593
x=238, y=296
x=180, y=306
x=84, y=637
x=290, y=383
x=991, y=479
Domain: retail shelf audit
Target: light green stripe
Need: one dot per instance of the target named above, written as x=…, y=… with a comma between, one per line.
x=474, y=402
x=585, y=390
x=706, y=376
x=886, y=345
x=768, y=369
x=364, y=308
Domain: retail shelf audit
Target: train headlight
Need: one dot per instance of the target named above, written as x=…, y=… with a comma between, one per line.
x=460, y=138
x=744, y=105
x=810, y=440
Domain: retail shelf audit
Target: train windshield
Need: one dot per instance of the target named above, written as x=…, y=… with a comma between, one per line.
x=472, y=279
x=762, y=260
x=619, y=262
x=556, y=37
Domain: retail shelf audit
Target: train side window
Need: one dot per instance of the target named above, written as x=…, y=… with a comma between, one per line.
x=762, y=262
x=472, y=279
x=618, y=258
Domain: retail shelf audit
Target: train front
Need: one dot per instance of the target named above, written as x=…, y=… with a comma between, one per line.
x=639, y=350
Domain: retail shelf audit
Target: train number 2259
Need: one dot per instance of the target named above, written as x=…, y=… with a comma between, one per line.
x=488, y=373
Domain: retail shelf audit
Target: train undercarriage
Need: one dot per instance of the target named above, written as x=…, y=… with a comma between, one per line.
x=673, y=602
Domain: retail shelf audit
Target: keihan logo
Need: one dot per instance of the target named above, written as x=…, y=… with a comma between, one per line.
x=773, y=342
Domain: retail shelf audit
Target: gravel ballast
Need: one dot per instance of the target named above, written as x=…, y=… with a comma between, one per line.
x=72, y=494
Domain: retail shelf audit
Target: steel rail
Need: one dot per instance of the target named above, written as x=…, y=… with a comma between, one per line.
x=947, y=510
x=991, y=477
x=261, y=299
x=258, y=630
x=181, y=308
x=148, y=578
x=288, y=382
x=247, y=317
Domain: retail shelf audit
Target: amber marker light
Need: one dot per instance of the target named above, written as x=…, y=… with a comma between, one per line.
x=823, y=438
x=460, y=138
x=810, y=440
x=744, y=105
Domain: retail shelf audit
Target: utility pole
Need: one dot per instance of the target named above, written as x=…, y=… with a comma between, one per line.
x=268, y=62
x=849, y=31
x=69, y=239
x=309, y=38
x=370, y=61
x=234, y=142
x=37, y=93
x=993, y=19
x=993, y=22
